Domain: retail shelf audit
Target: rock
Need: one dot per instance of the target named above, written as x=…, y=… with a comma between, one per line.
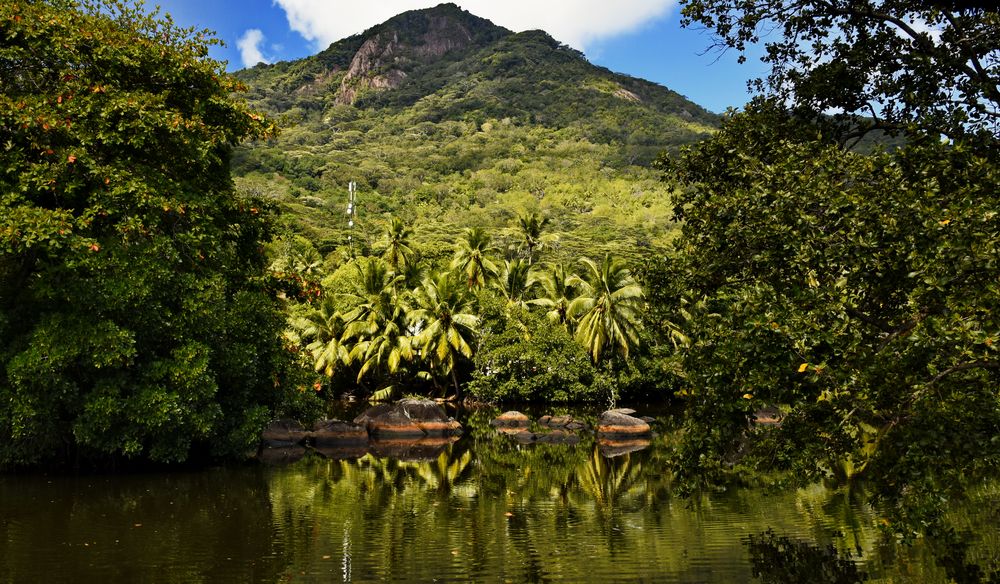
x=408, y=418
x=283, y=433
x=647, y=419
x=511, y=420
x=333, y=433
x=614, y=424
x=281, y=455
x=557, y=421
x=566, y=422
x=768, y=416
x=371, y=413
x=626, y=411
x=613, y=448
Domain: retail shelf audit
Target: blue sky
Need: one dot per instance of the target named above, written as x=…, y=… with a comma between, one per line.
x=642, y=38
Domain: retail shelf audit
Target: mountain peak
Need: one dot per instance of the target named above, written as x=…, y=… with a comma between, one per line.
x=392, y=50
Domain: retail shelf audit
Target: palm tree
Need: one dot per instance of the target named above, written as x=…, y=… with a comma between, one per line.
x=514, y=282
x=446, y=323
x=398, y=252
x=608, y=308
x=531, y=226
x=471, y=259
x=377, y=320
x=558, y=292
x=324, y=328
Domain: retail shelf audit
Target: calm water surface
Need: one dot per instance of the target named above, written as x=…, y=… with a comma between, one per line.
x=482, y=509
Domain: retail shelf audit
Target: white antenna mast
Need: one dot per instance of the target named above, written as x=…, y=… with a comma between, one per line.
x=352, y=212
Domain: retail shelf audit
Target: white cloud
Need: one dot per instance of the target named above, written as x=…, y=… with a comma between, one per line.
x=249, y=45
x=574, y=22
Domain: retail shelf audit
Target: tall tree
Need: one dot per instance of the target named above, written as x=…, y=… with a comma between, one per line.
x=514, y=282
x=858, y=290
x=324, y=329
x=135, y=319
x=607, y=308
x=399, y=253
x=377, y=329
x=471, y=258
x=531, y=226
x=558, y=292
x=446, y=323
x=906, y=64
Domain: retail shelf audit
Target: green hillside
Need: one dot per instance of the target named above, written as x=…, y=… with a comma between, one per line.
x=448, y=121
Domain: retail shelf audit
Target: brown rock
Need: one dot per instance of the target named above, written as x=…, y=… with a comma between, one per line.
x=511, y=420
x=614, y=424
x=408, y=418
x=283, y=433
x=332, y=433
x=626, y=411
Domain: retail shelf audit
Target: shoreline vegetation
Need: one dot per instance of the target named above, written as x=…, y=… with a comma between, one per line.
x=154, y=309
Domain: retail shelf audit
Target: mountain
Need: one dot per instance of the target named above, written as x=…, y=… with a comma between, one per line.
x=450, y=121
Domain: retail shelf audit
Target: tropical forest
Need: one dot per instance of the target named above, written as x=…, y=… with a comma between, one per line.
x=444, y=301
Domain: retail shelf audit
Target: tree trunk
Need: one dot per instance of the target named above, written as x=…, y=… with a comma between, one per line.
x=454, y=379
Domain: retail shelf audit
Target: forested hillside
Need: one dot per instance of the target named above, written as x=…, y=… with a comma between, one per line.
x=453, y=122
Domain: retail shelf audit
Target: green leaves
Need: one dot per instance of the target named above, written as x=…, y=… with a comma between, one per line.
x=127, y=261
x=855, y=290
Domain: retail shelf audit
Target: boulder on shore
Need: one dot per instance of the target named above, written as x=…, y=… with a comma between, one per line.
x=408, y=418
x=562, y=422
x=330, y=433
x=283, y=433
x=615, y=424
x=511, y=420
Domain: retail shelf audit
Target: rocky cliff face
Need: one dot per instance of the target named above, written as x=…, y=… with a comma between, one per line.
x=409, y=41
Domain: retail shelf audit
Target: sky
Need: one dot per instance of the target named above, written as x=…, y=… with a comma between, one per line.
x=642, y=38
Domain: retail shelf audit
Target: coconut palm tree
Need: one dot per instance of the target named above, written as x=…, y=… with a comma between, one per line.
x=398, y=252
x=447, y=324
x=324, y=329
x=514, y=282
x=608, y=308
x=557, y=292
x=531, y=226
x=471, y=258
x=377, y=319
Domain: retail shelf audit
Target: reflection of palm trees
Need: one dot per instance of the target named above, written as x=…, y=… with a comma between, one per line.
x=446, y=470
x=606, y=481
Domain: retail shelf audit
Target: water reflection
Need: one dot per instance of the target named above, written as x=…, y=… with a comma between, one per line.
x=482, y=508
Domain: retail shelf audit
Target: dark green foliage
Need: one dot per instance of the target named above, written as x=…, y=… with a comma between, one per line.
x=858, y=290
x=136, y=319
x=907, y=64
x=523, y=356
